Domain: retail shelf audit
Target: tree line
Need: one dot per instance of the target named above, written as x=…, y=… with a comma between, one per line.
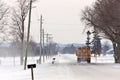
x=13, y=49
x=71, y=49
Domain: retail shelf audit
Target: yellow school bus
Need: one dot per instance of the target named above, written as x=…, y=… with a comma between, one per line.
x=83, y=54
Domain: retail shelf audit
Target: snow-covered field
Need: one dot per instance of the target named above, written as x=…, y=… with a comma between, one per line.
x=65, y=68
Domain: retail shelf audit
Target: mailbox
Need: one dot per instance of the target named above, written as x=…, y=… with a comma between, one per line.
x=31, y=66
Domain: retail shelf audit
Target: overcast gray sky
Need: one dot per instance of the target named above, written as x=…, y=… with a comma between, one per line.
x=61, y=19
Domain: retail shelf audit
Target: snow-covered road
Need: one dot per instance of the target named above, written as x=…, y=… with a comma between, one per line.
x=65, y=68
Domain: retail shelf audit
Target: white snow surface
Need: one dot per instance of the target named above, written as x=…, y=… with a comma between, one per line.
x=65, y=68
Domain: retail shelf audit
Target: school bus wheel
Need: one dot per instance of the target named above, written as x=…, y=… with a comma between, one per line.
x=88, y=60
x=78, y=60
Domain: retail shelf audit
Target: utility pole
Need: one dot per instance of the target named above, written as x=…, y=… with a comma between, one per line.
x=47, y=41
x=40, y=39
x=43, y=46
x=47, y=35
x=28, y=34
x=50, y=45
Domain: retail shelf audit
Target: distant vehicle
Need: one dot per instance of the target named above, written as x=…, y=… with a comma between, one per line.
x=83, y=54
x=53, y=60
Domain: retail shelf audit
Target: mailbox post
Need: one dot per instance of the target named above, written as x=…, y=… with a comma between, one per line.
x=31, y=66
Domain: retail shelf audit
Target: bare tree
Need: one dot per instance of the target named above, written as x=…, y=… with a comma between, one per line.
x=3, y=20
x=19, y=17
x=105, y=17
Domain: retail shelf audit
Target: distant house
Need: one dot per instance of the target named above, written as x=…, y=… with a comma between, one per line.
x=110, y=51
